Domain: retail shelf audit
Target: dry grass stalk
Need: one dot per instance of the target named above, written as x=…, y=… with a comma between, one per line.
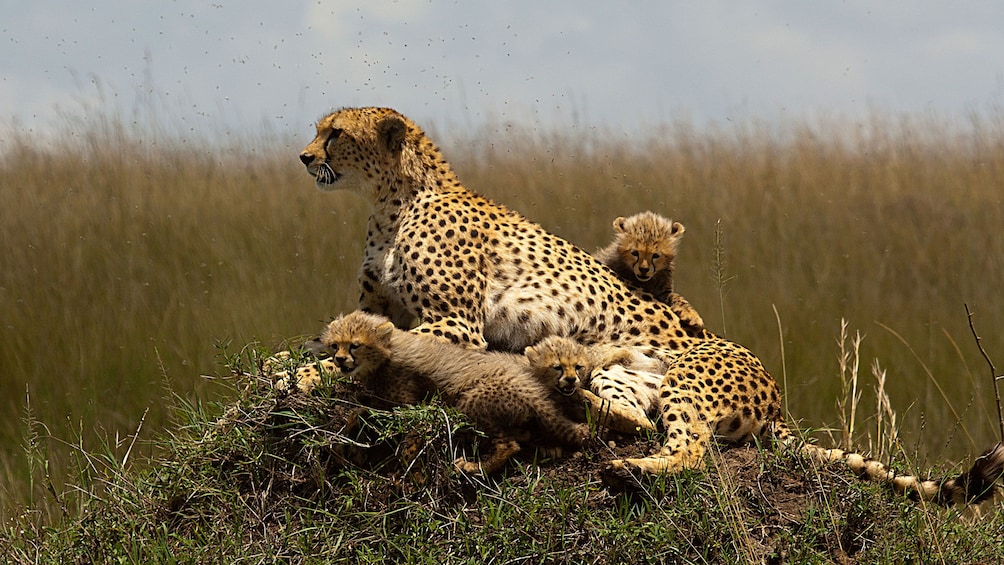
x=886, y=432
x=847, y=402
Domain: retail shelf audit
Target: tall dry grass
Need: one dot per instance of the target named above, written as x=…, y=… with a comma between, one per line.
x=130, y=255
x=128, y=260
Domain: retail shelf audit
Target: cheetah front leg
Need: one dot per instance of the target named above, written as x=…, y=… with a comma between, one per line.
x=375, y=298
x=688, y=436
x=303, y=379
x=458, y=331
x=503, y=449
x=614, y=404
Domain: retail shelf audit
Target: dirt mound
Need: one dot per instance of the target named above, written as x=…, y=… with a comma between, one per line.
x=292, y=456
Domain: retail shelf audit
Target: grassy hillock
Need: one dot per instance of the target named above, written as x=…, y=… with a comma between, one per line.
x=270, y=476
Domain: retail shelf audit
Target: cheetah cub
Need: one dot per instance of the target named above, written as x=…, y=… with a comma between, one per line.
x=495, y=390
x=562, y=366
x=643, y=253
x=568, y=369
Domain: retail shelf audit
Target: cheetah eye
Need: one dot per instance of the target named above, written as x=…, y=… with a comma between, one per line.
x=655, y=256
x=556, y=368
x=634, y=253
x=353, y=347
x=579, y=368
x=333, y=136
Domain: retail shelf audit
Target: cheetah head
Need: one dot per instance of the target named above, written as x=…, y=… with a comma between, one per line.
x=648, y=243
x=355, y=148
x=559, y=362
x=358, y=343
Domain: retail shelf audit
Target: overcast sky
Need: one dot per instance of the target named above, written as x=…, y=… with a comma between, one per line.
x=232, y=65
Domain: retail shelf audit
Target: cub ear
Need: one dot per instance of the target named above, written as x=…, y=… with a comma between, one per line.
x=619, y=224
x=316, y=346
x=531, y=354
x=391, y=132
x=678, y=229
x=385, y=329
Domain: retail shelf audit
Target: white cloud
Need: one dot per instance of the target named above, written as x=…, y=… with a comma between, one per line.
x=621, y=65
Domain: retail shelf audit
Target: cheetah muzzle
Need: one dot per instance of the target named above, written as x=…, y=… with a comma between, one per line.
x=345, y=366
x=567, y=388
x=325, y=175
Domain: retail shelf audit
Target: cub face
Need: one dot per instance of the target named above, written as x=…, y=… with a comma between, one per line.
x=358, y=343
x=648, y=243
x=644, y=261
x=559, y=362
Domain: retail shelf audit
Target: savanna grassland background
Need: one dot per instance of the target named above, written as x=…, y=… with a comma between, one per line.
x=132, y=256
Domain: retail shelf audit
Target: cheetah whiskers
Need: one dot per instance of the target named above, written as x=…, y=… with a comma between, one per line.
x=326, y=175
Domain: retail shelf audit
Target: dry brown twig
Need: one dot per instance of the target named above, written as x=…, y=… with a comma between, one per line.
x=994, y=377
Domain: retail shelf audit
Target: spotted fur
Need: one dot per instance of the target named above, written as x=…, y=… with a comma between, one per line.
x=476, y=274
x=495, y=390
x=643, y=253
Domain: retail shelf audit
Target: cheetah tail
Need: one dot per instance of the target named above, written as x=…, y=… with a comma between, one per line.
x=977, y=485
x=974, y=486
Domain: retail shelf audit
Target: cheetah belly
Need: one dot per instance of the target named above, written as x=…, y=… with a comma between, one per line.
x=518, y=316
x=390, y=288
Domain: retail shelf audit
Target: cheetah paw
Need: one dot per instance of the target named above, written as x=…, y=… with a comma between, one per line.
x=502, y=450
x=616, y=417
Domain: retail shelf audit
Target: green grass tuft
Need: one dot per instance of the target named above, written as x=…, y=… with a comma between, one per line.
x=270, y=476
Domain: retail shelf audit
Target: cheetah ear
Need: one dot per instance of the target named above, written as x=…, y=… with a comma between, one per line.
x=678, y=229
x=391, y=132
x=316, y=346
x=530, y=353
x=385, y=329
x=619, y=224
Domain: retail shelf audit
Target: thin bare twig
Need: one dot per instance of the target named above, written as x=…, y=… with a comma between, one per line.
x=930, y=377
x=125, y=458
x=994, y=377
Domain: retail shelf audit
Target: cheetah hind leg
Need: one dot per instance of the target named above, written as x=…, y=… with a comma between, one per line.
x=687, y=440
x=503, y=448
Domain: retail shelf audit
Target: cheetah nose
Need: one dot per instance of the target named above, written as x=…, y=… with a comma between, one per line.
x=306, y=158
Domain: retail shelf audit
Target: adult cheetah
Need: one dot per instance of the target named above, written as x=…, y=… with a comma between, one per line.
x=475, y=273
